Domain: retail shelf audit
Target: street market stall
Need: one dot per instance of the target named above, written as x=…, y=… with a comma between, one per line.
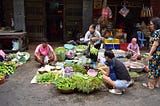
x=76, y=69
x=11, y=62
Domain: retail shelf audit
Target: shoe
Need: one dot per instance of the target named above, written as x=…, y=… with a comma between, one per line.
x=113, y=91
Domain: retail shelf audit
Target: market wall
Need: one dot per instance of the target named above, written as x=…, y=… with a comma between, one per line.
x=156, y=7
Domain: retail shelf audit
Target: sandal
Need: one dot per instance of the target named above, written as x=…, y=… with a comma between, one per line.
x=113, y=91
x=147, y=86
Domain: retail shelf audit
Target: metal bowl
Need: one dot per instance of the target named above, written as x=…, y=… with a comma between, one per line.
x=136, y=67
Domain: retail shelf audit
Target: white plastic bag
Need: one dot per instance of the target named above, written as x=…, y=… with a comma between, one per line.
x=46, y=58
x=15, y=44
x=124, y=11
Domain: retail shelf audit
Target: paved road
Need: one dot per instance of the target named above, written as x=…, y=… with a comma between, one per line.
x=17, y=91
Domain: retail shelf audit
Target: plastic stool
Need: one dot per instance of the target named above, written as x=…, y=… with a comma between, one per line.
x=141, y=38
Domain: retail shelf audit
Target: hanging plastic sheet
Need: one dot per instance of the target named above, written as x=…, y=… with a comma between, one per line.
x=124, y=11
x=106, y=11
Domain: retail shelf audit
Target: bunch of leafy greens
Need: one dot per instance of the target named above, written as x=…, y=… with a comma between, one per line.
x=77, y=67
x=7, y=67
x=65, y=84
x=93, y=51
x=48, y=77
x=86, y=84
x=81, y=48
x=1, y=75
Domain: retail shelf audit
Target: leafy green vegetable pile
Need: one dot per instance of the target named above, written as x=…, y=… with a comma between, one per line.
x=60, y=52
x=93, y=51
x=48, y=77
x=86, y=84
x=7, y=67
x=83, y=83
x=81, y=48
x=134, y=74
x=1, y=75
x=77, y=67
x=13, y=55
x=65, y=84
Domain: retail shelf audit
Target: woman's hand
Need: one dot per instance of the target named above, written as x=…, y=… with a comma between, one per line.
x=55, y=60
x=106, y=78
x=150, y=57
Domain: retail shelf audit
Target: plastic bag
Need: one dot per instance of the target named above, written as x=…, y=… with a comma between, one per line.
x=124, y=11
x=46, y=58
x=106, y=13
x=15, y=44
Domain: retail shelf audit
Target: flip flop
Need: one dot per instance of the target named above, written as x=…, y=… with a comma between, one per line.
x=113, y=91
x=147, y=86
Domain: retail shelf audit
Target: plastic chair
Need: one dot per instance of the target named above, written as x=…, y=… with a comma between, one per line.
x=141, y=39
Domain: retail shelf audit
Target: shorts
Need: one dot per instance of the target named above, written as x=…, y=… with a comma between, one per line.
x=121, y=84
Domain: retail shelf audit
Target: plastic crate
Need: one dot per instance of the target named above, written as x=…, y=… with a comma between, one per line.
x=123, y=46
x=112, y=46
x=111, y=41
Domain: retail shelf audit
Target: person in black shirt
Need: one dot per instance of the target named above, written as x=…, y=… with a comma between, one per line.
x=122, y=80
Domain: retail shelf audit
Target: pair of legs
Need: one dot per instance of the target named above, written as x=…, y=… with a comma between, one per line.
x=152, y=83
x=40, y=59
x=118, y=85
x=133, y=56
x=153, y=74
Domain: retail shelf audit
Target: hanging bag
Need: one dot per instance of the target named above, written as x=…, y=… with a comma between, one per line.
x=124, y=11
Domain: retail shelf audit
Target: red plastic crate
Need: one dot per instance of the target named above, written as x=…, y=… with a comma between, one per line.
x=123, y=46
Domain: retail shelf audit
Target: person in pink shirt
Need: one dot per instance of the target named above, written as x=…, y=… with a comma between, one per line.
x=45, y=54
x=2, y=55
x=133, y=49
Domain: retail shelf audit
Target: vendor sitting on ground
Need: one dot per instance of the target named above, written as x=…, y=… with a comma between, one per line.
x=2, y=55
x=133, y=50
x=45, y=54
x=120, y=78
x=94, y=36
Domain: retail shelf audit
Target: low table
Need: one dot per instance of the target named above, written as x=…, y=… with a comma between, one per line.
x=20, y=36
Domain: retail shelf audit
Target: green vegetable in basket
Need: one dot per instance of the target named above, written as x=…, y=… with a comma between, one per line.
x=81, y=48
x=1, y=75
x=87, y=84
x=133, y=74
x=7, y=67
x=60, y=52
x=65, y=84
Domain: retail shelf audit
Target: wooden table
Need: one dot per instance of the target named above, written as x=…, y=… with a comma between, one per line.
x=20, y=36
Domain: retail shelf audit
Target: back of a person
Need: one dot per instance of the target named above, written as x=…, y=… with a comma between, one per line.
x=121, y=71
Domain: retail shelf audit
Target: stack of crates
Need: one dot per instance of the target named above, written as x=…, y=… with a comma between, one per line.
x=112, y=43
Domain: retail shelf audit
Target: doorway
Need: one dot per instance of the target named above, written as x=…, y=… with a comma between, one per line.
x=54, y=16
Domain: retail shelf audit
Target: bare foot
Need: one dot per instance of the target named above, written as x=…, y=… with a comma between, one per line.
x=148, y=85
